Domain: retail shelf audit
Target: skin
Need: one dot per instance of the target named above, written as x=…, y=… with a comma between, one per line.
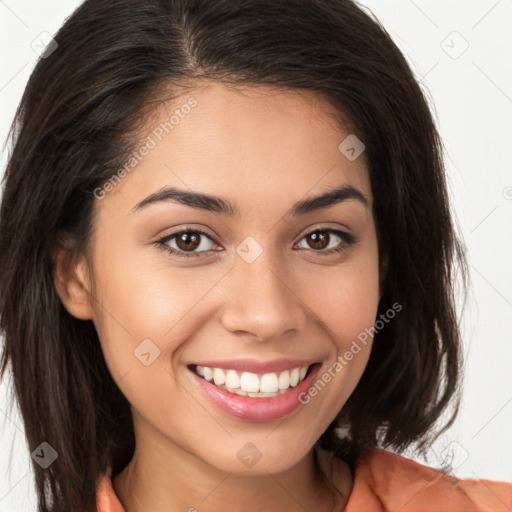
x=263, y=149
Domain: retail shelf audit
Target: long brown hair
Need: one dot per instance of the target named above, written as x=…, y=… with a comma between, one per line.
x=73, y=130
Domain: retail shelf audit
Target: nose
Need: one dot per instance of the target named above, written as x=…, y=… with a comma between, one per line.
x=264, y=301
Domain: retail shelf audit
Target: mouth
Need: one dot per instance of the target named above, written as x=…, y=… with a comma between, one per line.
x=255, y=391
x=254, y=385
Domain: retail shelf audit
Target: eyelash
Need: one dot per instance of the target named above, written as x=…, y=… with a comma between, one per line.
x=348, y=241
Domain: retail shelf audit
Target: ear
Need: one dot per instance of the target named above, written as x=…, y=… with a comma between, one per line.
x=72, y=280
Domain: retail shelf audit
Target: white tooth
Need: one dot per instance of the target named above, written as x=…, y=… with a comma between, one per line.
x=250, y=382
x=232, y=379
x=268, y=383
x=294, y=377
x=240, y=392
x=284, y=380
x=200, y=370
x=303, y=372
x=218, y=376
x=208, y=374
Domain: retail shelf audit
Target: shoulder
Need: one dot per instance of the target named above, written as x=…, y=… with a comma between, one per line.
x=386, y=482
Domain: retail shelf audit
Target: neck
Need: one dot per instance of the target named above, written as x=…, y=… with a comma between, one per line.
x=176, y=480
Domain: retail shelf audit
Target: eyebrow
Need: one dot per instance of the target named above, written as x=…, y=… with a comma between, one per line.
x=216, y=204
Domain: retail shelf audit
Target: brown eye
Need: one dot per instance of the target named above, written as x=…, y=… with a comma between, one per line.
x=327, y=241
x=318, y=239
x=188, y=241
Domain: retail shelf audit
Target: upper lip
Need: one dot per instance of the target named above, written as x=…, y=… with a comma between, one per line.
x=255, y=366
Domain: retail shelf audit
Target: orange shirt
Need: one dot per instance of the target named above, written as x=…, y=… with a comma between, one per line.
x=386, y=482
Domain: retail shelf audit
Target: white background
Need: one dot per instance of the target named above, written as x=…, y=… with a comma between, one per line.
x=471, y=93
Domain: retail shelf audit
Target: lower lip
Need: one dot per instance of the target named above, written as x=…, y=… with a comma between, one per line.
x=256, y=409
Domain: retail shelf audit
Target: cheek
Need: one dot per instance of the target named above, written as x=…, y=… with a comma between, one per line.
x=346, y=302
x=144, y=314
x=141, y=319
x=348, y=309
x=351, y=307
x=346, y=299
x=139, y=297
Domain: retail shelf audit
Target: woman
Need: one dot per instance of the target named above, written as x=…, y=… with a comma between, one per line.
x=227, y=226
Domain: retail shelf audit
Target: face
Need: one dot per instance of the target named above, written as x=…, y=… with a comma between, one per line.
x=265, y=294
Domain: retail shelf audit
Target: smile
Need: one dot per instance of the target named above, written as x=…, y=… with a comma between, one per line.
x=252, y=384
x=254, y=391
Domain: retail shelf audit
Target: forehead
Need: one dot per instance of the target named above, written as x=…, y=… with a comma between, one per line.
x=257, y=143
